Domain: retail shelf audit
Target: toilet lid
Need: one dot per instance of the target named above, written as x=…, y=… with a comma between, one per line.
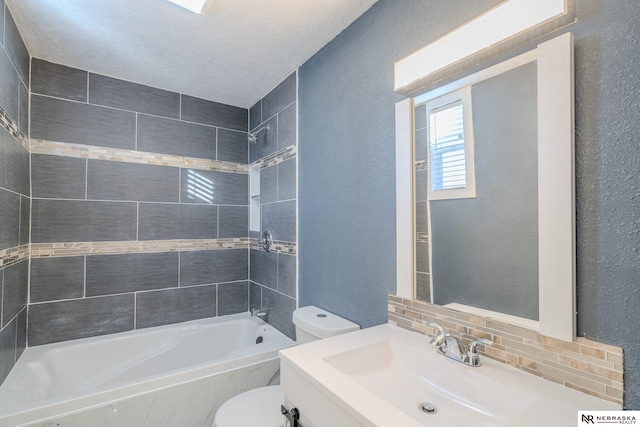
x=259, y=407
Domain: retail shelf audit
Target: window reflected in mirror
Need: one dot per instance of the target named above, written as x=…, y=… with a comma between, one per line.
x=476, y=224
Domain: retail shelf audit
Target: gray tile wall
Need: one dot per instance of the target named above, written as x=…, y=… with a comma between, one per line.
x=14, y=190
x=273, y=276
x=278, y=109
x=160, y=288
x=87, y=200
x=80, y=318
x=71, y=105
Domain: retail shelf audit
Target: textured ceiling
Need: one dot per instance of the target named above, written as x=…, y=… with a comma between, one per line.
x=235, y=53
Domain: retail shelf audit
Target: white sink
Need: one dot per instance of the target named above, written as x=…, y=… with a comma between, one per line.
x=380, y=376
x=407, y=377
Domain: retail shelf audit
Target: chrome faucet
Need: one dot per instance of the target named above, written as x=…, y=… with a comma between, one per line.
x=452, y=347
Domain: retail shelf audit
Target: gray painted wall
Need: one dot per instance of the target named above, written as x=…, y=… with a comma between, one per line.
x=347, y=155
x=346, y=181
x=496, y=232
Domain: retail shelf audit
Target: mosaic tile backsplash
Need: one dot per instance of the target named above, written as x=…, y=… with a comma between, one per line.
x=584, y=365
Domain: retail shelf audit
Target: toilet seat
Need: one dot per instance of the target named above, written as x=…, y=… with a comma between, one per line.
x=259, y=407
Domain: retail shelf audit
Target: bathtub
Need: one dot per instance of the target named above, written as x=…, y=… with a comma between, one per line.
x=175, y=375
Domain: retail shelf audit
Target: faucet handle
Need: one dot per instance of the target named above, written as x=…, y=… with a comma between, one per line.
x=473, y=345
x=437, y=327
x=440, y=336
x=473, y=358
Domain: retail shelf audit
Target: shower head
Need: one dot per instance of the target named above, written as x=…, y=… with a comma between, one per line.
x=253, y=136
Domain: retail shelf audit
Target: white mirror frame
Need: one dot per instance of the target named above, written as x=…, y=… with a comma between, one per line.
x=490, y=33
x=556, y=189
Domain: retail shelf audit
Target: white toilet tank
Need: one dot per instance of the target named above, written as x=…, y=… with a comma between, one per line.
x=313, y=323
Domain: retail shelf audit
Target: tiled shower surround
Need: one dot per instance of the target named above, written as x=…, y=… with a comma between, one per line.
x=273, y=275
x=584, y=365
x=140, y=207
x=139, y=211
x=14, y=192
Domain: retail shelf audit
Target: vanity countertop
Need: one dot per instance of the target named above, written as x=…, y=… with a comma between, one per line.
x=380, y=376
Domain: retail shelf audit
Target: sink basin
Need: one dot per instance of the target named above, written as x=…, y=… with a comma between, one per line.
x=407, y=377
x=381, y=376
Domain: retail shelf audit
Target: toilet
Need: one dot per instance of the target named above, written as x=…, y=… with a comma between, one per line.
x=260, y=407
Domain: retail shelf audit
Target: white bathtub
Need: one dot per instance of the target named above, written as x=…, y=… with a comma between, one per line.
x=175, y=375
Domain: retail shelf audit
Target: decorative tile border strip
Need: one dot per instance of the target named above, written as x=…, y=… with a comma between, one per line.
x=11, y=256
x=584, y=365
x=278, y=246
x=421, y=165
x=422, y=237
x=44, y=250
x=12, y=127
x=131, y=156
x=278, y=157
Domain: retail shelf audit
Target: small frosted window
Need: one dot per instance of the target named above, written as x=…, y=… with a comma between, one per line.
x=451, y=146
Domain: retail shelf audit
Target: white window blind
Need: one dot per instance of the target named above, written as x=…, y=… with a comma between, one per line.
x=446, y=137
x=451, y=151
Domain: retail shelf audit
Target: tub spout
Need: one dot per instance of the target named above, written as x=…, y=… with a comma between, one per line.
x=261, y=313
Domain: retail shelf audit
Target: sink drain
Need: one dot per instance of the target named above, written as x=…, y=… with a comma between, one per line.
x=427, y=408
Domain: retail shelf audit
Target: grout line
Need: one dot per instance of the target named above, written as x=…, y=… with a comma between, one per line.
x=135, y=310
x=13, y=192
x=201, y=285
x=2, y=301
x=140, y=112
x=58, y=199
x=71, y=249
x=86, y=179
x=15, y=343
x=277, y=166
x=279, y=201
x=277, y=272
x=179, y=270
x=135, y=136
x=123, y=155
x=4, y=23
x=84, y=292
x=20, y=216
x=275, y=114
x=179, y=186
x=297, y=162
x=273, y=290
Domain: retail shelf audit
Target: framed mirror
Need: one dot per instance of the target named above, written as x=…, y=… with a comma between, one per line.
x=485, y=192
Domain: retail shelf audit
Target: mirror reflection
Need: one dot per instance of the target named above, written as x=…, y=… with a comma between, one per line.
x=476, y=195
